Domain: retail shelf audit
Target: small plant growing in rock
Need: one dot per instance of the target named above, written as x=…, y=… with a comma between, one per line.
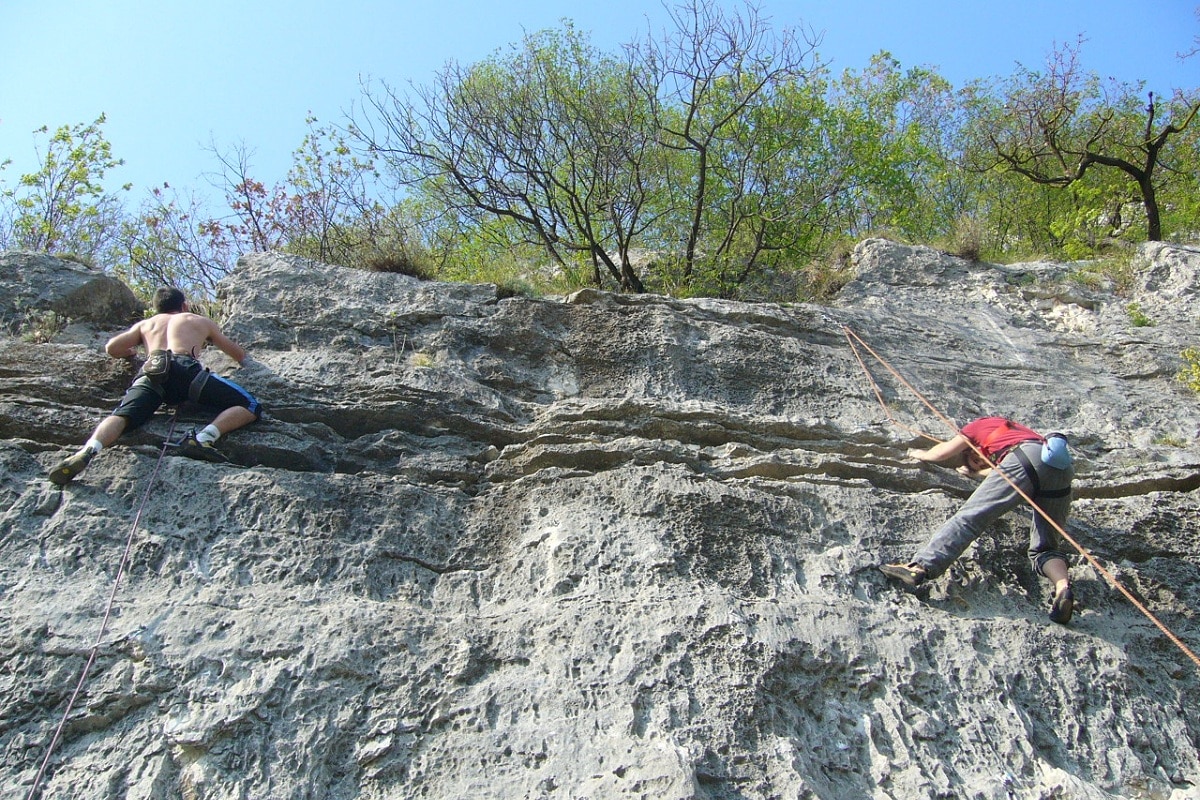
x=401, y=263
x=398, y=346
x=967, y=239
x=1137, y=317
x=422, y=360
x=40, y=327
x=1115, y=273
x=1118, y=269
x=1189, y=375
x=514, y=287
x=1088, y=278
x=1170, y=440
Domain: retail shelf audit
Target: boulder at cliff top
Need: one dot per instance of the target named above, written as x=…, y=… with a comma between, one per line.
x=37, y=285
x=607, y=546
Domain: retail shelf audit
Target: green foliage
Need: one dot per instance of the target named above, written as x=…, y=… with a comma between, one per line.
x=399, y=263
x=42, y=328
x=1170, y=440
x=733, y=106
x=63, y=206
x=1110, y=144
x=171, y=241
x=1138, y=317
x=891, y=128
x=967, y=238
x=6, y=211
x=821, y=278
x=1112, y=273
x=675, y=149
x=1120, y=272
x=332, y=213
x=716, y=159
x=32, y=324
x=495, y=252
x=749, y=164
x=1179, y=188
x=422, y=360
x=1189, y=374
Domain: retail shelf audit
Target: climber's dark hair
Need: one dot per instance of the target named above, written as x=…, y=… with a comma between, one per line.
x=168, y=299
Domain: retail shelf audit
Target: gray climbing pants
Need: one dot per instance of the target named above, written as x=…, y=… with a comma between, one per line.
x=994, y=497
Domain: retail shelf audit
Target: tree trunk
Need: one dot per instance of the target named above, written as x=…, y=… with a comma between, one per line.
x=1150, y=202
x=629, y=279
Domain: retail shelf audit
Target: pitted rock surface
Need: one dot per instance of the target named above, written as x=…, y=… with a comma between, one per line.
x=604, y=546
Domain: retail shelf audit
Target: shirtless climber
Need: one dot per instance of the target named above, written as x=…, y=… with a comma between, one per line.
x=181, y=377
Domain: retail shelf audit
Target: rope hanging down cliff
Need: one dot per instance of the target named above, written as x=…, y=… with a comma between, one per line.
x=852, y=337
x=91, y=659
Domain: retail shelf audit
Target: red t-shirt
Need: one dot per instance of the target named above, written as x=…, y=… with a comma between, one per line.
x=993, y=435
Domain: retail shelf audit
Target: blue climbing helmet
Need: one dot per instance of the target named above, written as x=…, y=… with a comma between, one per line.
x=1055, y=452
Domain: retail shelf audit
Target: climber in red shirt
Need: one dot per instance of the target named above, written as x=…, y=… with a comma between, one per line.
x=1040, y=466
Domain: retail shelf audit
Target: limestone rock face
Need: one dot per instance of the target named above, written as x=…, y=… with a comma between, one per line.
x=607, y=546
x=34, y=285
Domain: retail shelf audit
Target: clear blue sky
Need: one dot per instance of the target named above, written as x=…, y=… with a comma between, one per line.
x=174, y=76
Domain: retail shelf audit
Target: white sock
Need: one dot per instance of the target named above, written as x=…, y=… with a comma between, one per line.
x=95, y=445
x=209, y=433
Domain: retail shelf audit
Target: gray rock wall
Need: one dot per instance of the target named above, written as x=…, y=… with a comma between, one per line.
x=607, y=546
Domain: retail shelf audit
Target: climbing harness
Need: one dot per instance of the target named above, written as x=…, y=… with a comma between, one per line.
x=998, y=456
x=1034, y=480
x=852, y=337
x=198, y=383
x=91, y=660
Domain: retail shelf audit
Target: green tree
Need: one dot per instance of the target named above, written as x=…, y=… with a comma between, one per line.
x=549, y=137
x=6, y=211
x=174, y=241
x=332, y=213
x=1055, y=128
x=892, y=132
x=63, y=206
x=716, y=86
x=674, y=150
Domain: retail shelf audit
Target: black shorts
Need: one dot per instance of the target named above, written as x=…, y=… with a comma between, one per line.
x=188, y=379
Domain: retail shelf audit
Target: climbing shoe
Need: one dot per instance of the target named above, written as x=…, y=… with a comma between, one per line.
x=192, y=447
x=911, y=574
x=1062, y=607
x=66, y=470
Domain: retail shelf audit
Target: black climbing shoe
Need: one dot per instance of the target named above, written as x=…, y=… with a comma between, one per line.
x=66, y=470
x=911, y=574
x=1062, y=607
x=192, y=447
